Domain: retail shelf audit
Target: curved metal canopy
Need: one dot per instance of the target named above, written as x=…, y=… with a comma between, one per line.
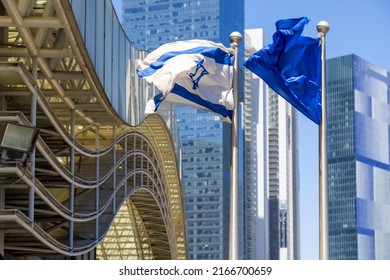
x=89, y=166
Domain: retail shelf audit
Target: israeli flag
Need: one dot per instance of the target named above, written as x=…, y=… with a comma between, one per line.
x=196, y=73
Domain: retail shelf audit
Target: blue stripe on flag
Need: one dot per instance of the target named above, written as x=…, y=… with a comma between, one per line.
x=157, y=100
x=217, y=54
x=217, y=108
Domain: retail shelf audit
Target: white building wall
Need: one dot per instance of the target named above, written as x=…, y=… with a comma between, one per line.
x=254, y=41
x=283, y=168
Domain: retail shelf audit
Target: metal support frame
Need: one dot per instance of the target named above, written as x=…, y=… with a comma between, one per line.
x=126, y=159
x=134, y=161
x=33, y=120
x=142, y=165
x=148, y=167
x=72, y=170
x=97, y=194
x=60, y=101
x=114, y=164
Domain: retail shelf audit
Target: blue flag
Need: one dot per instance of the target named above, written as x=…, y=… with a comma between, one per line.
x=291, y=66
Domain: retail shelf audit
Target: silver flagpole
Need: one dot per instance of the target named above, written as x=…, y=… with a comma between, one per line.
x=323, y=28
x=235, y=39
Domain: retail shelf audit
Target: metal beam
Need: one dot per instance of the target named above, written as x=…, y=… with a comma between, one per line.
x=47, y=92
x=23, y=52
x=64, y=75
x=33, y=22
x=42, y=33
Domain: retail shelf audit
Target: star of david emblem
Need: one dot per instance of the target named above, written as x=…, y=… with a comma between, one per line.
x=200, y=71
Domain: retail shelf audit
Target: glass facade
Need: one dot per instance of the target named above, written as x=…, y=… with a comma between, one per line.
x=205, y=140
x=113, y=58
x=358, y=159
x=205, y=178
x=273, y=175
x=152, y=23
x=283, y=179
x=250, y=160
x=102, y=48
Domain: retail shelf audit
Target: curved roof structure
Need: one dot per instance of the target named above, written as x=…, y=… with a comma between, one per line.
x=103, y=182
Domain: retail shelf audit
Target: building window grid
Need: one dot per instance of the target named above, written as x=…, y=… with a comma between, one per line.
x=346, y=74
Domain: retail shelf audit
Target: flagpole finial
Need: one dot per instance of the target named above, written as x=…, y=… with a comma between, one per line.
x=323, y=27
x=235, y=37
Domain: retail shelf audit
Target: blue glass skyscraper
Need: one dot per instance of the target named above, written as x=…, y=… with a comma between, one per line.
x=205, y=140
x=150, y=24
x=358, y=159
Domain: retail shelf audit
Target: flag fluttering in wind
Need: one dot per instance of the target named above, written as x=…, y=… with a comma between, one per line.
x=291, y=66
x=196, y=73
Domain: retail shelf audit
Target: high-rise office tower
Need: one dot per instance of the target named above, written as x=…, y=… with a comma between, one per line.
x=358, y=143
x=254, y=118
x=205, y=140
x=272, y=204
x=282, y=179
x=150, y=24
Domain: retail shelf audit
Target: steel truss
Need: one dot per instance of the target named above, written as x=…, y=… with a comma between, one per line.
x=95, y=186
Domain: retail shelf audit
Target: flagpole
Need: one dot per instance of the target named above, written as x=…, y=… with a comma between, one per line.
x=323, y=28
x=235, y=40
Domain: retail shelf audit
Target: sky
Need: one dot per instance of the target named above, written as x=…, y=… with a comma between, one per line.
x=356, y=27
x=360, y=27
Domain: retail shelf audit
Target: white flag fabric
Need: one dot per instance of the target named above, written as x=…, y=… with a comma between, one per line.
x=196, y=73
